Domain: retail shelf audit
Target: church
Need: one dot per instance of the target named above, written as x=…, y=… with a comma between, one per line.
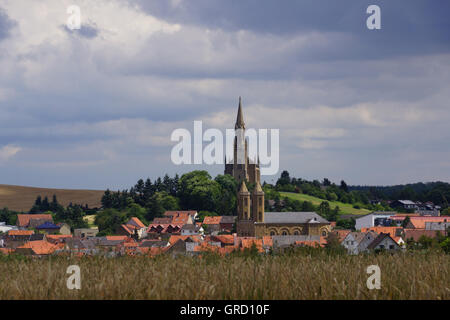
x=252, y=221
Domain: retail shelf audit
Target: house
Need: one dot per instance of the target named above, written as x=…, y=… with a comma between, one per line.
x=227, y=223
x=224, y=239
x=64, y=229
x=420, y=222
x=85, y=233
x=192, y=213
x=182, y=219
x=134, y=227
x=442, y=226
x=340, y=234
x=83, y=246
x=174, y=238
x=157, y=229
x=392, y=231
x=17, y=238
x=384, y=242
x=404, y=204
x=23, y=220
x=48, y=227
x=212, y=224
x=57, y=238
x=154, y=243
x=357, y=242
x=191, y=229
x=416, y=234
x=162, y=220
x=37, y=248
x=4, y=228
x=177, y=248
x=373, y=219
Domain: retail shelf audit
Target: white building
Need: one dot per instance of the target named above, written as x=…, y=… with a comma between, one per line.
x=5, y=228
x=373, y=219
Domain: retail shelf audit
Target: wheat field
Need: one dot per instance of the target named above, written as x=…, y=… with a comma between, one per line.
x=294, y=276
x=21, y=199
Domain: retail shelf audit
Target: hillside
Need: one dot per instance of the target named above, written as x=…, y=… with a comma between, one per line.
x=20, y=198
x=345, y=207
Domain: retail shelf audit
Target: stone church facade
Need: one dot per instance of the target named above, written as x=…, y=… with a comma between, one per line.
x=252, y=221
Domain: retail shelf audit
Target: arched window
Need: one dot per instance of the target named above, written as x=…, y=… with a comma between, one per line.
x=296, y=233
x=272, y=233
x=284, y=233
x=324, y=233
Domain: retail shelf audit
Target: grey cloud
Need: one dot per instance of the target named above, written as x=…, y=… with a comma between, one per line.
x=6, y=24
x=408, y=27
x=88, y=31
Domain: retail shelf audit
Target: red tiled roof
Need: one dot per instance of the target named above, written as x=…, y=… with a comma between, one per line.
x=39, y=247
x=20, y=232
x=6, y=250
x=267, y=241
x=175, y=238
x=415, y=234
x=180, y=219
x=212, y=220
x=247, y=243
x=162, y=220
x=392, y=231
x=137, y=222
x=164, y=227
x=341, y=234
x=174, y=213
x=116, y=238
x=58, y=236
x=419, y=222
x=223, y=238
x=24, y=219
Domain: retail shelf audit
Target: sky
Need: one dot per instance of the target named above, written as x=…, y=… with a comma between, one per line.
x=95, y=107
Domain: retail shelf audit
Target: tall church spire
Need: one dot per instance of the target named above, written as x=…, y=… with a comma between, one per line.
x=240, y=117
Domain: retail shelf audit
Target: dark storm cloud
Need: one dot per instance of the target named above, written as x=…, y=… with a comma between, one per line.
x=6, y=24
x=408, y=27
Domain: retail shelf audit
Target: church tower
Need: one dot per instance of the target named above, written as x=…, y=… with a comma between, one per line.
x=258, y=203
x=241, y=168
x=244, y=206
x=250, y=206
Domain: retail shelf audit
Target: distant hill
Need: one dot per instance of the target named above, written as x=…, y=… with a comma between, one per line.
x=20, y=198
x=344, y=207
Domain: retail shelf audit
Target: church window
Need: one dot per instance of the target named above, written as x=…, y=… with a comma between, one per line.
x=272, y=233
x=284, y=233
x=324, y=233
x=296, y=233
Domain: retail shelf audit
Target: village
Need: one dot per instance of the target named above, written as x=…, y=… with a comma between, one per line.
x=180, y=232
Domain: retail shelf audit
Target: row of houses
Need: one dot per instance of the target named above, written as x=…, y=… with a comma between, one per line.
x=390, y=231
x=392, y=218
x=178, y=232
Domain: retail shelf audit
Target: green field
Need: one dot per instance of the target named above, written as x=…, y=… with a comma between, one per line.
x=90, y=219
x=344, y=207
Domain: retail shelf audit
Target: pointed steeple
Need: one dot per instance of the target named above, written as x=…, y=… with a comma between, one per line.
x=240, y=117
x=258, y=188
x=243, y=188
